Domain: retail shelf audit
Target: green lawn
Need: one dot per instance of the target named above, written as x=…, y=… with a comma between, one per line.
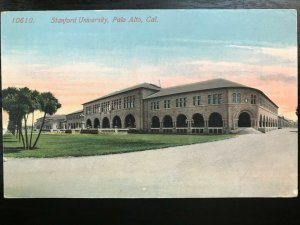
x=62, y=145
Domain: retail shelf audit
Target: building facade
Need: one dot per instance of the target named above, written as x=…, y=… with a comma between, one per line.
x=213, y=106
x=75, y=120
x=122, y=109
x=52, y=122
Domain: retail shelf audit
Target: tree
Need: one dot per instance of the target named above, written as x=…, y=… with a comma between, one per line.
x=11, y=104
x=20, y=103
x=49, y=105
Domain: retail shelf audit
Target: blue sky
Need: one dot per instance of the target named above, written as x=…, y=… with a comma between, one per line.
x=253, y=47
x=180, y=33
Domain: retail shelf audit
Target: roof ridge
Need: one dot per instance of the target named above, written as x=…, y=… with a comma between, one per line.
x=200, y=82
x=140, y=85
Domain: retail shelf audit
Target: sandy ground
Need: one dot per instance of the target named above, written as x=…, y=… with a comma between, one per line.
x=253, y=165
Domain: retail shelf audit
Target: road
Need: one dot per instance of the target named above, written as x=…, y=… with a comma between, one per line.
x=253, y=165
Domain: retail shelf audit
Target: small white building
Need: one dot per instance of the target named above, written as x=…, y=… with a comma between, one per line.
x=54, y=122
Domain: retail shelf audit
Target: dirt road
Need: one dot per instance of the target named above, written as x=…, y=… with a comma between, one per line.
x=260, y=165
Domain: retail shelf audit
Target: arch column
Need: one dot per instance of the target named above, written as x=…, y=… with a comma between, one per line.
x=205, y=130
x=189, y=124
x=224, y=123
x=235, y=123
x=174, y=126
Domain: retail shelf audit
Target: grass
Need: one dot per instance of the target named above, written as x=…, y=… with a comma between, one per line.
x=64, y=145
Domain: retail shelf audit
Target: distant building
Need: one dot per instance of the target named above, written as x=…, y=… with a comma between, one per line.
x=54, y=122
x=75, y=120
x=285, y=122
x=213, y=106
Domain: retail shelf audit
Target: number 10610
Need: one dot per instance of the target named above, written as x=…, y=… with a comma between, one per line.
x=22, y=20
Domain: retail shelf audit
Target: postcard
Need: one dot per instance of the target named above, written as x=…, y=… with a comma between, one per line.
x=149, y=103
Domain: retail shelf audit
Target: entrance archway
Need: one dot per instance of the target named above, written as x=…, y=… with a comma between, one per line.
x=155, y=122
x=96, y=123
x=117, y=122
x=105, y=122
x=167, y=122
x=244, y=120
x=88, y=123
x=215, y=120
x=181, y=121
x=198, y=120
x=129, y=121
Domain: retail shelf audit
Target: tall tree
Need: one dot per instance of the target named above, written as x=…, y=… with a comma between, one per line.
x=11, y=104
x=49, y=105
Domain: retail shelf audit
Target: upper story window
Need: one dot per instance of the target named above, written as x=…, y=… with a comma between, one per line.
x=181, y=102
x=197, y=100
x=253, y=99
x=96, y=108
x=215, y=99
x=236, y=97
x=154, y=105
x=88, y=110
x=167, y=104
x=129, y=102
x=105, y=106
x=116, y=104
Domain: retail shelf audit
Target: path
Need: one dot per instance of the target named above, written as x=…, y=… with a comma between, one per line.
x=260, y=165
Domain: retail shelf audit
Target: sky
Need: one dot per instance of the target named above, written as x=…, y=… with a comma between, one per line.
x=79, y=61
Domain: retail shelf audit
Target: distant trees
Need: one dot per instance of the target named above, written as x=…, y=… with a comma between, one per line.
x=19, y=103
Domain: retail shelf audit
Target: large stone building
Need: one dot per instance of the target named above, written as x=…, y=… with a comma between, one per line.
x=213, y=106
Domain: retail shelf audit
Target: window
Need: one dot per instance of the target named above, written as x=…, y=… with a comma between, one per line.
x=197, y=100
x=129, y=102
x=213, y=99
x=253, y=99
x=210, y=100
x=154, y=105
x=88, y=110
x=166, y=104
x=236, y=97
x=220, y=99
x=116, y=104
x=181, y=102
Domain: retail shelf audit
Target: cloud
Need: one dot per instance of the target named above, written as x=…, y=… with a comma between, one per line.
x=278, y=77
x=285, y=53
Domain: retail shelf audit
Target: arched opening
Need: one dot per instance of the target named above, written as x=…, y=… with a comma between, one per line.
x=105, y=122
x=264, y=121
x=96, y=123
x=198, y=120
x=155, y=122
x=260, y=121
x=271, y=122
x=167, y=121
x=181, y=121
x=117, y=122
x=129, y=121
x=88, y=123
x=244, y=120
x=215, y=120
